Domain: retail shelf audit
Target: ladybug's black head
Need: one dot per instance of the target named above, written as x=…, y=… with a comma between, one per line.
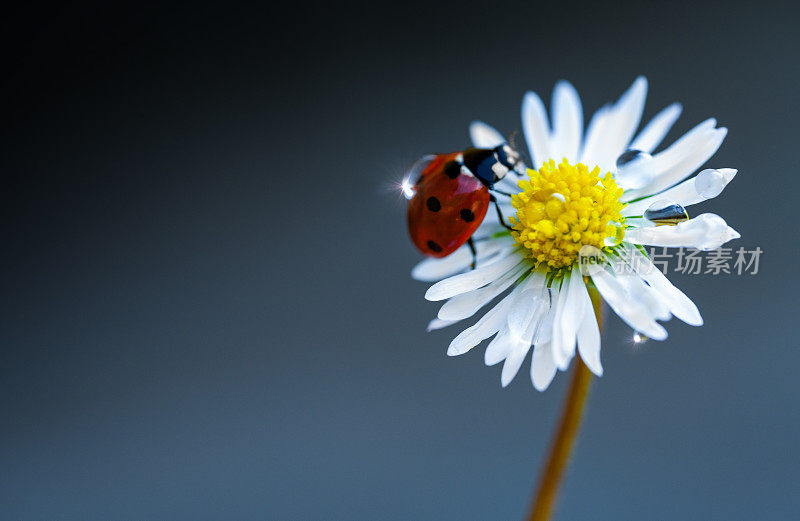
x=508, y=157
x=492, y=164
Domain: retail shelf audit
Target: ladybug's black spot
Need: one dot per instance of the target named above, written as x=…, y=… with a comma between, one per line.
x=433, y=204
x=434, y=246
x=452, y=169
x=467, y=215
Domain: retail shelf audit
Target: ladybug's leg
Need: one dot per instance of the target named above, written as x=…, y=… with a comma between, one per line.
x=471, y=245
x=500, y=213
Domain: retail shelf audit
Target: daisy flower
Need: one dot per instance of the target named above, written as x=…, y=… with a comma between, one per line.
x=601, y=195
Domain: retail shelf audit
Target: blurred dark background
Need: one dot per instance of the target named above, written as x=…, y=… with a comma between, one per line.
x=206, y=306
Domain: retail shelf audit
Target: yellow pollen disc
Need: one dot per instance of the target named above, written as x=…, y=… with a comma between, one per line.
x=562, y=208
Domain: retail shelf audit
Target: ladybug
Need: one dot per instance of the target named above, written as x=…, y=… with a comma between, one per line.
x=451, y=196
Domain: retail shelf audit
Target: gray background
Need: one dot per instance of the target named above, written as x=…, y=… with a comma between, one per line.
x=206, y=306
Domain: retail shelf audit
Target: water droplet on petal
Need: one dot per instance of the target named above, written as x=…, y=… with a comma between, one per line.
x=639, y=338
x=546, y=194
x=616, y=232
x=711, y=229
x=631, y=155
x=709, y=183
x=666, y=212
x=634, y=169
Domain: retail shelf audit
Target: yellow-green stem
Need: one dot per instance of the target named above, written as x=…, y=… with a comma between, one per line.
x=553, y=473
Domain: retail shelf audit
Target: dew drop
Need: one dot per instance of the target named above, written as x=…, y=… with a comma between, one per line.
x=666, y=212
x=709, y=183
x=634, y=169
x=711, y=231
x=546, y=194
x=615, y=238
x=631, y=155
x=639, y=338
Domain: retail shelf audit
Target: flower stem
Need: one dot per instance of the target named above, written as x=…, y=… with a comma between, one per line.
x=574, y=403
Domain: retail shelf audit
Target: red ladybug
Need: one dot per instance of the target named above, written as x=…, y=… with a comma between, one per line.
x=452, y=195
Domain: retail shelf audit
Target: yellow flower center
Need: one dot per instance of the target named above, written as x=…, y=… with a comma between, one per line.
x=562, y=208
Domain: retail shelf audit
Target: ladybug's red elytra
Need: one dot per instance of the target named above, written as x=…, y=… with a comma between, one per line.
x=451, y=196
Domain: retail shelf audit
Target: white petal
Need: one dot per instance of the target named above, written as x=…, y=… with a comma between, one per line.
x=641, y=294
x=692, y=191
x=433, y=269
x=616, y=297
x=678, y=303
x=513, y=362
x=556, y=339
x=507, y=184
x=589, y=339
x=490, y=226
x=543, y=368
x=438, y=323
x=485, y=136
x=707, y=231
x=688, y=164
x=683, y=157
x=569, y=315
x=627, y=115
x=613, y=126
x=474, y=279
x=467, y=304
x=491, y=221
x=536, y=128
x=525, y=306
x=595, y=135
x=658, y=127
x=567, y=122
x=487, y=232
x=545, y=331
x=499, y=347
x=525, y=315
x=487, y=326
